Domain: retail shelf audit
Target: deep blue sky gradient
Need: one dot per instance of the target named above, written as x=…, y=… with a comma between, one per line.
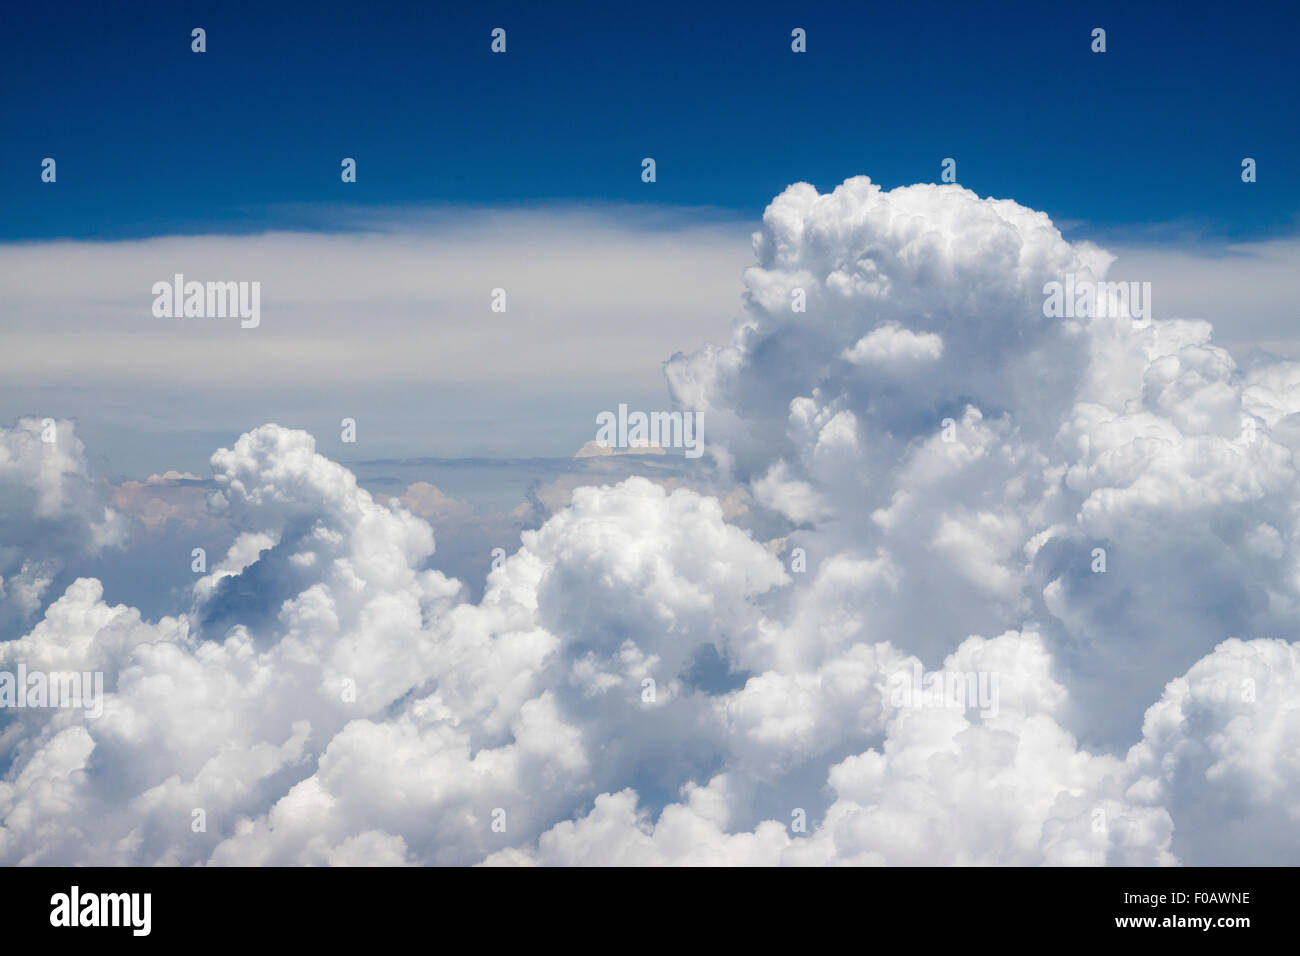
x=153, y=139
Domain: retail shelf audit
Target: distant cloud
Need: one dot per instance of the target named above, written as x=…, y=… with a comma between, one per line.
x=596, y=449
x=390, y=326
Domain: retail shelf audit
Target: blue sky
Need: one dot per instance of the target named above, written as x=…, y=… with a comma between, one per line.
x=919, y=472
x=152, y=139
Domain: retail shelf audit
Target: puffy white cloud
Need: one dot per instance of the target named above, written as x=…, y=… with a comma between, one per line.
x=320, y=665
x=945, y=789
x=1221, y=749
x=617, y=833
x=51, y=509
x=988, y=474
x=892, y=345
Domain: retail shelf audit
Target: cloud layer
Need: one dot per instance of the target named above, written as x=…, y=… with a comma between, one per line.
x=961, y=585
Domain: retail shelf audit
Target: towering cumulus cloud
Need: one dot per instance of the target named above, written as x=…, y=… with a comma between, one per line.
x=1010, y=589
